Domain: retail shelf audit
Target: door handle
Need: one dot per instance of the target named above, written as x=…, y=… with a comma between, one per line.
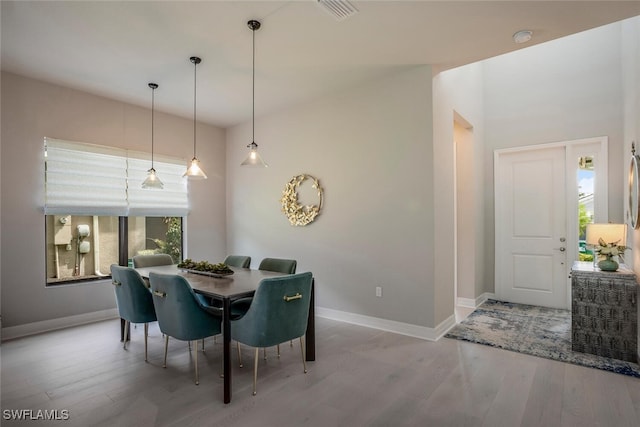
x=561, y=249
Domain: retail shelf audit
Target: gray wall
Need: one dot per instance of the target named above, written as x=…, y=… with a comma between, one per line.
x=32, y=110
x=562, y=90
x=458, y=96
x=371, y=148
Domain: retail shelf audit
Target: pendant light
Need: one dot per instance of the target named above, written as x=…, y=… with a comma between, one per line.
x=193, y=170
x=152, y=180
x=254, y=158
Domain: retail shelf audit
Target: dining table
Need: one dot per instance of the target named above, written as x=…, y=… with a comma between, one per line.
x=225, y=289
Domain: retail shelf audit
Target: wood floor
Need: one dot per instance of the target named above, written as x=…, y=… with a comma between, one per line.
x=362, y=377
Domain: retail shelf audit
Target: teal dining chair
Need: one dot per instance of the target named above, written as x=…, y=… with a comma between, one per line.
x=181, y=314
x=239, y=261
x=134, y=300
x=278, y=312
x=141, y=261
x=278, y=265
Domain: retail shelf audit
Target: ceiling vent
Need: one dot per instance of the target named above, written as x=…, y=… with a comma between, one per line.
x=339, y=9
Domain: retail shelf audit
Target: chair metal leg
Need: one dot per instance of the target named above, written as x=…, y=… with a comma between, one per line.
x=239, y=354
x=203, y=345
x=304, y=362
x=196, y=352
x=166, y=346
x=126, y=329
x=146, y=335
x=255, y=370
x=264, y=351
x=278, y=347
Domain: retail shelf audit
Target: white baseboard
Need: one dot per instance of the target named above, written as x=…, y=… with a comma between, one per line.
x=475, y=303
x=422, y=332
x=12, y=332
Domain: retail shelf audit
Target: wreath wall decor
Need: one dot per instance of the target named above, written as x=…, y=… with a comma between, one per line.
x=300, y=215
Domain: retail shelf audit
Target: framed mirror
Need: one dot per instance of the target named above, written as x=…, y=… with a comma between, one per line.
x=634, y=199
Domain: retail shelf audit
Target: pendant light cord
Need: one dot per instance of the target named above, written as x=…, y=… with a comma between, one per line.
x=153, y=92
x=253, y=93
x=195, y=66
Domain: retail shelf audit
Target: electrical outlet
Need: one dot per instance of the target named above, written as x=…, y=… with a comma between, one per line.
x=379, y=291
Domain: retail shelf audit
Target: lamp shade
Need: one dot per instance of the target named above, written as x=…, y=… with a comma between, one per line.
x=609, y=233
x=194, y=171
x=254, y=158
x=152, y=180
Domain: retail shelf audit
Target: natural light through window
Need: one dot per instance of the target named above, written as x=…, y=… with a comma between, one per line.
x=586, y=180
x=98, y=214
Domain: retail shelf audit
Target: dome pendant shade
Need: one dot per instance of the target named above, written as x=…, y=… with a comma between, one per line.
x=254, y=158
x=193, y=170
x=152, y=181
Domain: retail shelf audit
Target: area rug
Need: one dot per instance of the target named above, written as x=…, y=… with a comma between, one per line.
x=537, y=331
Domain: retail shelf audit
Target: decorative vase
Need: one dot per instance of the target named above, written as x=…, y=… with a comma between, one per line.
x=608, y=264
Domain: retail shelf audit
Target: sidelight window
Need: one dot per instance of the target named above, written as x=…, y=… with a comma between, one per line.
x=586, y=181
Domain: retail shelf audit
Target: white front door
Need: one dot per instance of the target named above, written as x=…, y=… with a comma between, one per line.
x=531, y=227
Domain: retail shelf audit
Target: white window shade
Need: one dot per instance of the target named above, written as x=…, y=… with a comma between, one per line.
x=85, y=179
x=172, y=200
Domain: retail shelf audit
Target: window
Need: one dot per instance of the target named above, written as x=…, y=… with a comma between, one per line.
x=586, y=178
x=97, y=214
x=149, y=235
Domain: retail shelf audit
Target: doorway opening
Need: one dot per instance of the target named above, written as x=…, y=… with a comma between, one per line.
x=468, y=218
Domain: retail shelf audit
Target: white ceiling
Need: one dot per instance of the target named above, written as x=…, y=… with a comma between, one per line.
x=115, y=49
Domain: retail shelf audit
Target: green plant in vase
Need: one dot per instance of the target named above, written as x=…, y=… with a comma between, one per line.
x=608, y=252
